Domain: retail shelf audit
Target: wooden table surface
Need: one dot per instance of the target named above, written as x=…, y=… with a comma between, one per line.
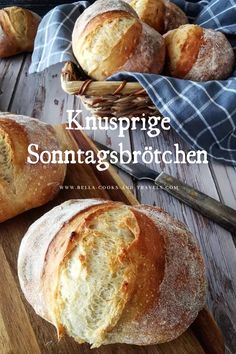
x=41, y=96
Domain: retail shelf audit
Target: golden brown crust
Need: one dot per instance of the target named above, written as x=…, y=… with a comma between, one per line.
x=18, y=29
x=122, y=50
x=162, y=282
x=148, y=255
x=161, y=15
x=108, y=40
x=162, y=308
x=215, y=60
x=199, y=54
x=151, y=12
x=24, y=186
x=183, y=47
x=99, y=8
x=149, y=55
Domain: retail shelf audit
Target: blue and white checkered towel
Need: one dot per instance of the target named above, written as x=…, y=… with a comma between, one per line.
x=203, y=114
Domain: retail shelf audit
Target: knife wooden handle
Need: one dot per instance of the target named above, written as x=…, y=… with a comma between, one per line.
x=207, y=206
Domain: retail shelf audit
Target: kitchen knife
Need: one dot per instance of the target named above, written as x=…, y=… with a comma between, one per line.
x=207, y=206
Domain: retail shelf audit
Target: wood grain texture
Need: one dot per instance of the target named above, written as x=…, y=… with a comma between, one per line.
x=31, y=333
x=41, y=96
x=214, y=210
x=10, y=70
x=12, y=311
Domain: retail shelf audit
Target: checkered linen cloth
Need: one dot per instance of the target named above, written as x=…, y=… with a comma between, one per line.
x=203, y=114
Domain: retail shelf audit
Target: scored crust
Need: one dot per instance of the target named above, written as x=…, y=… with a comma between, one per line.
x=96, y=9
x=199, y=54
x=112, y=39
x=215, y=60
x=151, y=12
x=34, y=248
x=18, y=29
x=183, y=46
x=99, y=54
x=152, y=269
x=24, y=186
x=162, y=15
x=175, y=304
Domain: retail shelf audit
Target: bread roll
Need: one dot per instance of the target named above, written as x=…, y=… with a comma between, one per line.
x=199, y=54
x=108, y=37
x=22, y=185
x=162, y=15
x=104, y=272
x=18, y=29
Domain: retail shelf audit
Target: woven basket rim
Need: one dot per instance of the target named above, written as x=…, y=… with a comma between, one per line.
x=73, y=85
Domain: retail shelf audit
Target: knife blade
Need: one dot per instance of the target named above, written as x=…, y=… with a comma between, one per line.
x=207, y=206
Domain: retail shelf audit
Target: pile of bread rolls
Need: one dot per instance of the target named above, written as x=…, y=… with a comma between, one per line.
x=148, y=36
x=18, y=28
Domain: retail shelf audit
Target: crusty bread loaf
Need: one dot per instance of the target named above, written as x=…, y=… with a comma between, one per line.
x=18, y=28
x=162, y=15
x=108, y=37
x=198, y=54
x=24, y=186
x=104, y=272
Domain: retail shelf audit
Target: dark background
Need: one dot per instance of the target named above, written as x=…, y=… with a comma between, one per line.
x=39, y=6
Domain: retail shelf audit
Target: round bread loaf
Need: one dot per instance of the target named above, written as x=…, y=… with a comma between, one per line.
x=108, y=37
x=24, y=186
x=104, y=272
x=162, y=15
x=199, y=54
x=18, y=28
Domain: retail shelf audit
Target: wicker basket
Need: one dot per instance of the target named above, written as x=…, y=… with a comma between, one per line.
x=108, y=98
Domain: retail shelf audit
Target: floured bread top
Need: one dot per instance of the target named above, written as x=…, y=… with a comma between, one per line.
x=215, y=60
x=96, y=49
x=104, y=272
x=99, y=7
x=109, y=37
x=198, y=54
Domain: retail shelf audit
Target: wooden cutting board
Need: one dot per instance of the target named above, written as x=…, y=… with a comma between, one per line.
x=21, y=330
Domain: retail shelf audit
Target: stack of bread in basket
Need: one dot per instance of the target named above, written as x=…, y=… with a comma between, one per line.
x=148, y=36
